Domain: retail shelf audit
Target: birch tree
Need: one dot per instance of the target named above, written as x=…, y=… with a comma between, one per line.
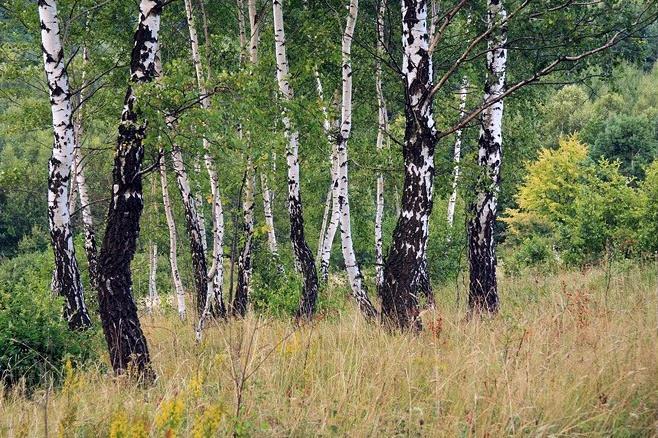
x=123, y=333
x=216, y=272
x=301, y=250
x=456, y=157
x=382, y=128
x=483, y=291
x=199, y=266
x=331, y=215
x=354, y=274
x=153, y=300
x=173, y=241
x=66, y=276
x=405, y=267
x=245, y=262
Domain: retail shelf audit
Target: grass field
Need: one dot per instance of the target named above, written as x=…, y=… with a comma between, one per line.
x=573, y=353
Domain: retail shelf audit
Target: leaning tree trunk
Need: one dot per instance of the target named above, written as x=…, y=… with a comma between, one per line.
x=66, y=277
x=331, y=211
x=357, y=284
x=405, y=267
x=463, y=93
x=123, y=332
x=302, y=252
x=173, y=240
x=483, y=290
x=382, y=125
x=193, y=230
x=241, y=300
x=214, y=303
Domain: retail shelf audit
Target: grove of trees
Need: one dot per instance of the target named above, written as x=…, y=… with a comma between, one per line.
x=424, y=133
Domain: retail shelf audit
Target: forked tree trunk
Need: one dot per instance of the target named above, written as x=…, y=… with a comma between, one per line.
x=405, y=267
x=173, y=241
x=241, y=299
x=463, y=93
x=215, y=302
x=331, y=211
x=302, y=252
x=354, y=274
x=382, y=124
x=483, y=290
x=66, y=276
x=199, y=266
x=123, y=332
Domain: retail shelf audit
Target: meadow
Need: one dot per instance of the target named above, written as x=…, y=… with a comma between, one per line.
x=571, y=354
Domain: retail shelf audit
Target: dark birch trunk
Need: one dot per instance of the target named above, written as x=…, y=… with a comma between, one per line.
x=405, y=269
x=123, y=332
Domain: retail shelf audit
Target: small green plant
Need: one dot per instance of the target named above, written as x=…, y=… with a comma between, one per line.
x=35, y=342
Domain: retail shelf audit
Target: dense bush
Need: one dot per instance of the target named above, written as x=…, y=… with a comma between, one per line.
x=35, y=341
x=580, y=207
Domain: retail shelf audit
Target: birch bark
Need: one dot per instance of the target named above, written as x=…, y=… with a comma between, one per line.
x=382, y=128
x=66, y=276
x=483, y=290
x=215, y=304
x=173, y=241
x=123, y=333
x=405, y=267
x=153, y=301
x=463, y=93
x=241, y=299
x=354, y=274
x=300, y=247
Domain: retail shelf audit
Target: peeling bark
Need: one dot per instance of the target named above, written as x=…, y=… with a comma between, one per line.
x=300, y=247
x=123, y=332
x=66, y=276
x=354, y=274
x=483, y=289
x=405, y=269
x=173, y=241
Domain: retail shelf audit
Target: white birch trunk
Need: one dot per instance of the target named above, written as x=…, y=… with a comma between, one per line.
x=351, y=265
x=214, y=301
x=66, y=276
x=483, y=290
x=269, y=215
x=302, y=252
x=153, y=301
x=199, y=203
x=331, y=206
x=463, y=93
x=382, y=123
x=173, y=241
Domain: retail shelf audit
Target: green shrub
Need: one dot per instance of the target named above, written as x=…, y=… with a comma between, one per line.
x=35, y=341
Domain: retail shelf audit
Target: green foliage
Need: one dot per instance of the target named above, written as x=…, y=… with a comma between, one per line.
x=581, y=207
x=35, y=341
x=629, y=139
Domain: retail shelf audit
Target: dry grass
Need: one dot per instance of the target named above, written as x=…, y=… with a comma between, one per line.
x=565, y=357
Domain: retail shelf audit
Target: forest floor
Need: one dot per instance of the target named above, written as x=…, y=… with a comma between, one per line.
x=572, y=353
